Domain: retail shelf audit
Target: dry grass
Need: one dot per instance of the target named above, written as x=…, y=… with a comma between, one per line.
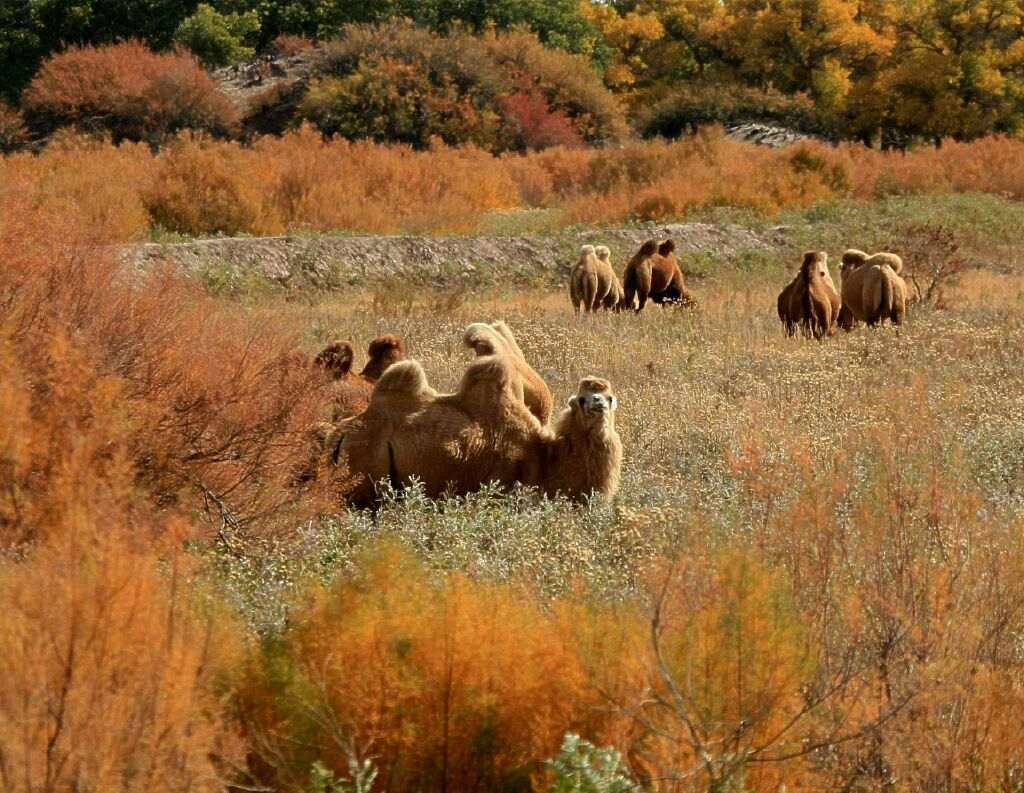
x=871, y=486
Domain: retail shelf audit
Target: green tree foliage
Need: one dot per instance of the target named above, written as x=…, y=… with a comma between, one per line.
x=218, y=39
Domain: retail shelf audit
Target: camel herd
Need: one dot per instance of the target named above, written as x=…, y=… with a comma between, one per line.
x=652, y=274
x=390, y=425
x=873, y=291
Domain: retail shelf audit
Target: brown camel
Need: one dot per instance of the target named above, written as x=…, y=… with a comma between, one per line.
x=455, y=443
x=654, y=273
x=593, y=283
x=791, y=302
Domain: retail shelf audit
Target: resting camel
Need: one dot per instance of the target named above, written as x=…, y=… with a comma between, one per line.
x=455, y=443
x=791, y=301
x=593, y=283
x=490, y=339
x=654, y=273
x=351, y=392
x=873, y=289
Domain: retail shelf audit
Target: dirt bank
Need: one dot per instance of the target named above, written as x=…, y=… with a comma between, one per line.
x=327, y=262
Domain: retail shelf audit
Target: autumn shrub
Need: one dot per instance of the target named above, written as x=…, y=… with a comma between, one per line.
x=449, y=684
x=537, y=125
x=84, y=179
x=288, y=45
x=698, y=104
x=199, y=410
x=113, y=673
x=203, y=187
x=128, y=91
x=497, y=91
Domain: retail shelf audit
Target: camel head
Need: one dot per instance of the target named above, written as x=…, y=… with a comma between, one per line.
x=336, y=359
x=815, y=263
x=594, y=404
x=383, y=351
x=852, y=259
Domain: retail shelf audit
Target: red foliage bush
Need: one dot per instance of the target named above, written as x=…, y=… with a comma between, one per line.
x=538, y=126
x=129, y=91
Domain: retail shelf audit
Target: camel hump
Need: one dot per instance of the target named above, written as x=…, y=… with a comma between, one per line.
x=666, y=247
x=336, y=358
x=890, y=259
x=602, y=252
x=484, y=339
x=649, y=248
x=384, y=344
x=853, y=257
x=405, y=378
x=587, y=250
x=505, y=332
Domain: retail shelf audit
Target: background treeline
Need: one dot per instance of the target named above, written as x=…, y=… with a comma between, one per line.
x=885, y=73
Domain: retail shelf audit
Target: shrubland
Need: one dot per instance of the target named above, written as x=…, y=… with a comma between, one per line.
x=200, y=186
x=809, y=577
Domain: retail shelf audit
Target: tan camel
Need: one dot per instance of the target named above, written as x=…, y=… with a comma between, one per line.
x=455, y=443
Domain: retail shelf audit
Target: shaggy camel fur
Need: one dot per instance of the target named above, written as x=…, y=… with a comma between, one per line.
x=810, y=300
x=873, y=290
x=351, y=392
x=613, y=300
x=790, y=303
x=593, y=283
x=654, y=273
x=455, y=443
x=497, y=337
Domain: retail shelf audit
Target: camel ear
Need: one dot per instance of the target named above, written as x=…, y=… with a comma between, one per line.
x=573, y=401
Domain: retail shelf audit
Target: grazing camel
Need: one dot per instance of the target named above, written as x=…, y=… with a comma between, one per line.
x=490, y=339
x=654, y=273
x=455, y=443
x=873, y=289
x=791, y=300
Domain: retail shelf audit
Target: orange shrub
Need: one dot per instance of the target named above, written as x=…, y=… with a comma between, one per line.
x=110, y=674
x=165, y=397
x=450, y=685
x=202, y=187
x=128, y=90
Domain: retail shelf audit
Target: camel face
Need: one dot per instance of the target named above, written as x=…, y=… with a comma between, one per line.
x=594, y=403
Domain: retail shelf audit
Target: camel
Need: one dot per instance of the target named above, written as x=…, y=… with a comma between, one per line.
x=873, y=289
x=654, y=273
x=613, y=299
x=455, y=443
x=487, y=339
x=593, y=283
x=351, y=392
x=790, y=303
